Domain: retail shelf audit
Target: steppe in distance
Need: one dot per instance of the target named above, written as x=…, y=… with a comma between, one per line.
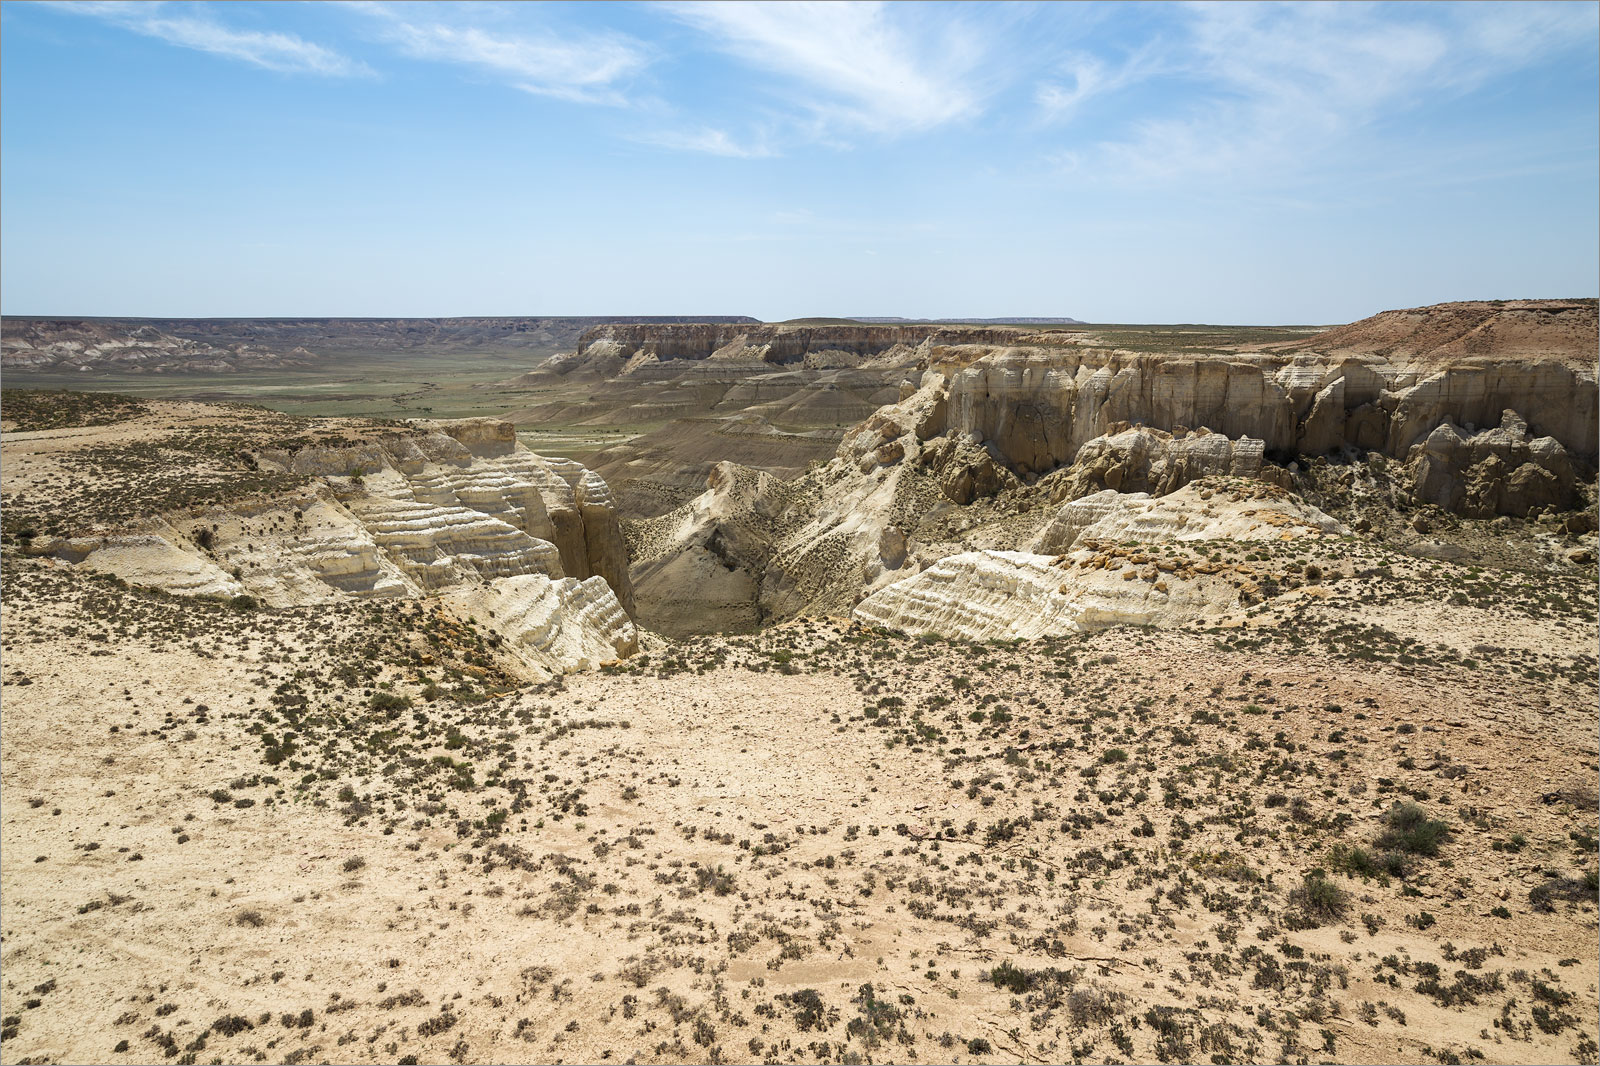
x=709, y=690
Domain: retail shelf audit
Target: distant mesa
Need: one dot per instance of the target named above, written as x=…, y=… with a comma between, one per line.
x=1020, y=320
x=1561, y=331
x=209, y=345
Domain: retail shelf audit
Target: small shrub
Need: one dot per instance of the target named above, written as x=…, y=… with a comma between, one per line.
x=1409, y=829
x=1318, y=899
x=717, y=880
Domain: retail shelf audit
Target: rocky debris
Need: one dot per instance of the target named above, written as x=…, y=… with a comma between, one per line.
x=892, y=545
x=1208, y=509
x=968, y=472
x=1435, y=549
x=1500, y=471
x=1578, y=523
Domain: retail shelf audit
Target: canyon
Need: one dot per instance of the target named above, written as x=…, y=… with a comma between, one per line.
x=822, y=691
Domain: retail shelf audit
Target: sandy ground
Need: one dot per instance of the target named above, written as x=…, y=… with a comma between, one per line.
x=712, y=830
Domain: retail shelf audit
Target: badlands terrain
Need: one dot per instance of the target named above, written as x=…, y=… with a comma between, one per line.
x=813, y=692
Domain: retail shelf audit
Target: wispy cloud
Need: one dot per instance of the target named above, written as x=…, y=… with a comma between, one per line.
x=583, y=68
x=1270, y=89
x=870, y=67
x=192, y=27
x=1081, y=77
x=708, y=140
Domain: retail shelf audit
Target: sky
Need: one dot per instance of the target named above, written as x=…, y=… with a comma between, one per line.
x=1236, y=163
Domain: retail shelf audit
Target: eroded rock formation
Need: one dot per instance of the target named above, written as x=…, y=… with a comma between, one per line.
x=456, y=510
x=1007, y=595
x=1493, y=471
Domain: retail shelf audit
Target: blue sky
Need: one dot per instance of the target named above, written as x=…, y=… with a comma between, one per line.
x=1116, y=163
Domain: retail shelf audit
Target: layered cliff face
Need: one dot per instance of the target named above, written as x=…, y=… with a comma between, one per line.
x=1098, y=417
x=628, y=348
x=1041, y=407
x=457, y=511
x=1036, y=399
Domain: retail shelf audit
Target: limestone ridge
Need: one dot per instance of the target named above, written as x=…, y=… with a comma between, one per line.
x=458, y=510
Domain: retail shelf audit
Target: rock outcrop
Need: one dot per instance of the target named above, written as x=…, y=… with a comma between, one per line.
x=555, y=625
x=1493, y=471
x=1112, y=558
x=700, y=568
x=1094, y=418
x=1211, y=509
x=1141, y=459
x=1007, y=595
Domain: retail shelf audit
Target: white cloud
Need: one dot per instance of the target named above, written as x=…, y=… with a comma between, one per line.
x=584, y=68
x=1089, y=77
x=708, y=140
x=1268, y=89
x=871, y=67
x=282, y=52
